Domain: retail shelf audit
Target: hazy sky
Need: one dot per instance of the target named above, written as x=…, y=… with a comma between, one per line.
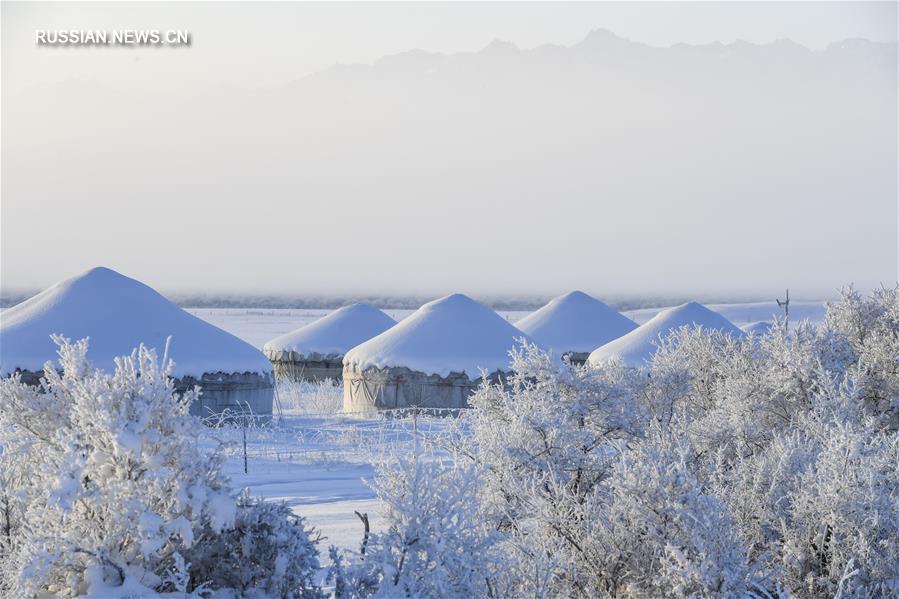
x=267, y=44
x=233, y=200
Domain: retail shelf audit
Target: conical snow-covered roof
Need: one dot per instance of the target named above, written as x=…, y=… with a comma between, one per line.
x=763, y=327
x=333, y=335
x=638, y=346
x=451, y=334
x=118, y=314
x=575, y=322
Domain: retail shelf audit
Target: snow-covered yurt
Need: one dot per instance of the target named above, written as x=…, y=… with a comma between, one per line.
x=574, y=325
x=118, y=314
x=315, y=352
x=760, y=328
x=637, y=347
x=432, y=359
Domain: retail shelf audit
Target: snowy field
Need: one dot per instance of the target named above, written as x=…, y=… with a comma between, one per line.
x=311, y=464
x=256, y=326
x=318, y=461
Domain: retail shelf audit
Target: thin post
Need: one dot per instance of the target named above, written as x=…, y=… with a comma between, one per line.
x=785, y=304
x=244, y=420
x=7, y=526
x=366, y=533
x=415, y=429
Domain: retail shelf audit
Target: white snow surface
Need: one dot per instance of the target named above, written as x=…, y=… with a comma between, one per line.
x=336, y=333
x=118, y=314
x=638, y=346
x=575, y=322
x=759, y=328
x=451, y=334
x=748, y=312
x=257, y=326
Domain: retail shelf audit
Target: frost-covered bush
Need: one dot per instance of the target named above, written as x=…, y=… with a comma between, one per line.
x=308, y=397
x=266, y=553
x=664, y=532
x=796, y=432
x=864, y=333
x=436, y=544
x=737, y=395
x=103, y=485
x=819, y=504
x=586, y=490
x=545, y=443
x=766, y=466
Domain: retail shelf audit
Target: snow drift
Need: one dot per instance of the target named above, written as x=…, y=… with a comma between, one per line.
x=333, y=335
x=118, y=314
x=451, y=334
x=638, y=346
x=575, y=323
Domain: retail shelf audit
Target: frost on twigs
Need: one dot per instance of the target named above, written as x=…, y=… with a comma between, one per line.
x=436, y=544
x=103, y=484
x=764, y=466
x=757, y=467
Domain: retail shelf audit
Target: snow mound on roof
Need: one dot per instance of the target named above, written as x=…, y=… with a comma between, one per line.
x=451, y=334
x=758, y=328
x=575, y=322
x=638, y=346
x=118, y=314
x=335, y=334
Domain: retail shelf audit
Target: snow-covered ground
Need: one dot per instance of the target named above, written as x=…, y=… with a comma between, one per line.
x=324, y=484
x=318, y=460
x=256, y=326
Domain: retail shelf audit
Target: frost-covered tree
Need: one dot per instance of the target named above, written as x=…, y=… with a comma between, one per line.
x=266, y=553
x=104, y=485
x=819, y=503
x=436, y=544
x=545, y=444
x=736, y=395
x=664, y=533
x=865, y=333
x=588, y=491
x=765, y=466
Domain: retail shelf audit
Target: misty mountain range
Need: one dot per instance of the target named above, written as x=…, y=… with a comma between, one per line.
x=610, y=166
x=602, y=49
